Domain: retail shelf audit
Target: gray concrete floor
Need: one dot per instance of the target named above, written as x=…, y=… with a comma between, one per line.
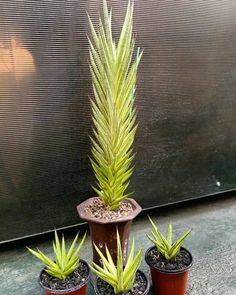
x=212, y=243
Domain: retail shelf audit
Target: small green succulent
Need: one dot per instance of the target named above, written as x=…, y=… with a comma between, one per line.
x=165, y=245
x=120, y=277
x=64, y=263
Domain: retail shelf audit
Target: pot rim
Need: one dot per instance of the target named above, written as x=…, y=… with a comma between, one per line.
x=168, y=271
x=140, y=271
x=66, y=291
x=136, y=210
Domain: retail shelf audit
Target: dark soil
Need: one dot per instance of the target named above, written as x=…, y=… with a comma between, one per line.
x=157, y=260
x=76, y=278
x=99, y=210
x=140, y=285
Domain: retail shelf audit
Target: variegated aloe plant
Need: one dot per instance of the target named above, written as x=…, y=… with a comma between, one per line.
x=166, y=246
x=114, y=73
x=64, y=262
x=120, y=277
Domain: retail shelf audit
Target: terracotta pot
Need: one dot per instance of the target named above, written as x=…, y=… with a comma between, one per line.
x=79, y=290
x=104, y=232
x=139, y=271
x=169, y=282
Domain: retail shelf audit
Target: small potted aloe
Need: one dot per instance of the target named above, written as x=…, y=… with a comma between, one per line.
x=114, y=73
x=66, y=273
x=169, y=262
x=117, y=278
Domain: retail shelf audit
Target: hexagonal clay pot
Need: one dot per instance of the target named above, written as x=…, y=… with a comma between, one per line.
x=104, y=232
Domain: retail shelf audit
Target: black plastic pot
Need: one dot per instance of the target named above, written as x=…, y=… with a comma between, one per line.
x=138, y=271
x=79, y=290
x=169, y=282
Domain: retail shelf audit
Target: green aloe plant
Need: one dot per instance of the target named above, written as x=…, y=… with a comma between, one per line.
x=64, y=263
x=114, y=73
x=120, y=277
x=165, y=245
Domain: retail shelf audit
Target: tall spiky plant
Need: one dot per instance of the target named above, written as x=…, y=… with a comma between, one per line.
x=114, y=74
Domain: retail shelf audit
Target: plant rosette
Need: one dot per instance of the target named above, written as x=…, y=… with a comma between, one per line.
x=169, y=276
x=120, y=278
x=74, y=284
x=65, y=273
x=141, y=286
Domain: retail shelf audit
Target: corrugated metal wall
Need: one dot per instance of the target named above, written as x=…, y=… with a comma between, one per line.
x=186, y=104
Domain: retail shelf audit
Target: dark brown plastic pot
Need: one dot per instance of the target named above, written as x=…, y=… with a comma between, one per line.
x=104, y=232
x=144, y=293
x=169, y=282
x=79, y=290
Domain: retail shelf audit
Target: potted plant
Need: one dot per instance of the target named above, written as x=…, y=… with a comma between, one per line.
x=114, y=73
x=169, y=262
x=115, y=278
x=66, y=273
